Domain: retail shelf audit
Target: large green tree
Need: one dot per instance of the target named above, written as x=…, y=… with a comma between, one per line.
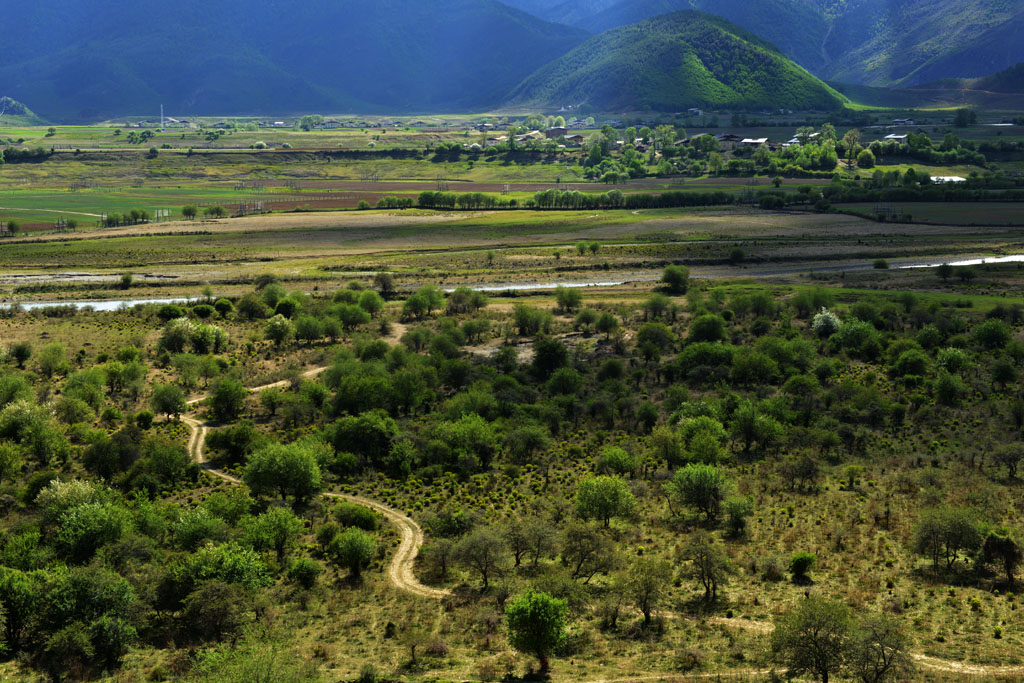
x=537, y=625
x=814, y=637
x=604, y=497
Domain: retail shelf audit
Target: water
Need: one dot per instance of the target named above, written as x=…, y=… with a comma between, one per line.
x=1016, y=258
x=532, y=286
x=109, y=305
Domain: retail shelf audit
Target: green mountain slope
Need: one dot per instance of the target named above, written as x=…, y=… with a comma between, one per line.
x=115, y=57
x=910, y=42
x=1008, y=81
x=777, y=21
x=14, y=113
x=680, y=60
x=875, y=42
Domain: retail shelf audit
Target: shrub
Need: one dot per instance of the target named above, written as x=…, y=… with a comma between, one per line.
x=353, y=515
x=617, y=461
x=305, y=571
x=800, y=564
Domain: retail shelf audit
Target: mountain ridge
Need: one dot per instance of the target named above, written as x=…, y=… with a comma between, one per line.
x=672, y=62
x=388, y=55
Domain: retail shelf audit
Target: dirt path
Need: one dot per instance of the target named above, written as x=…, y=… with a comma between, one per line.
x=402, y=564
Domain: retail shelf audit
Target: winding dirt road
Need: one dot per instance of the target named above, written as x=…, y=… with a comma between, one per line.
x=401, y=574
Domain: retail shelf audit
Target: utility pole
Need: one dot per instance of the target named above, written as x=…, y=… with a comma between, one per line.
x=162, y=128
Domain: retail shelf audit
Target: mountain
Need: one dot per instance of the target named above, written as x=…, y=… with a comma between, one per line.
x=672, y=62
x=911, y=42
x=571, y=12
x=873, y=42
x=1010, y=81
x=117, y=57
x=15, y=113
x=776, y=21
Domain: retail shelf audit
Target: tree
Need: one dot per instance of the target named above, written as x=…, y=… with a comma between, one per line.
x=53, y=360
x=664, y=135
x=568, y=298
x=1001, y=548
x=604, y=497
x=708, y=563
x=992, y=334
x=944, y=533
x=879, y=651
x=484, y=551
x=352, y=549
x=432, y=297
x=944, y=271
x=168, y=399
x=1009, y=456
x=536, y=625
x=606, y=323
x=279, y=330
x=189, y=211
x=676, y=279
x=702, y=487
x=647, y=583
x=288, y=469
x=587, y=552
x=965, y=117
x=539, y=538
x=310, y=121
x=385, y=284
x=715, y=162
x=851, y=141
x=308, y=329
x=707, y=328
x=276, y=529
x=371, y=302
x=21, y=352
x=814, y=637
x=227, y=399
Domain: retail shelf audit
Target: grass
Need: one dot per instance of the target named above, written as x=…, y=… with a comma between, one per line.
x=951, y=213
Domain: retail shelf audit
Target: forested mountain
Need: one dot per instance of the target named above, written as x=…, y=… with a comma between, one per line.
x=229, y=56
x=911, y=42
x=675, y=61
x=1008, y=81
x=876, y=42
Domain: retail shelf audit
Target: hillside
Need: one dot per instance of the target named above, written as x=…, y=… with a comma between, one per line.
x=913, y=42
x=13, y=112
x=1008, y=81
x=776, y=21
x=673, y=62
x=394, y=55
x=874, y=42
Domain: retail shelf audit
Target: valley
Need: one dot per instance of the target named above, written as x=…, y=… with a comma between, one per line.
x=541, y=340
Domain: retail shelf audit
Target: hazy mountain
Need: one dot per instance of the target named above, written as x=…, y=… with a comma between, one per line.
x=672, y=62
x=228, y=56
